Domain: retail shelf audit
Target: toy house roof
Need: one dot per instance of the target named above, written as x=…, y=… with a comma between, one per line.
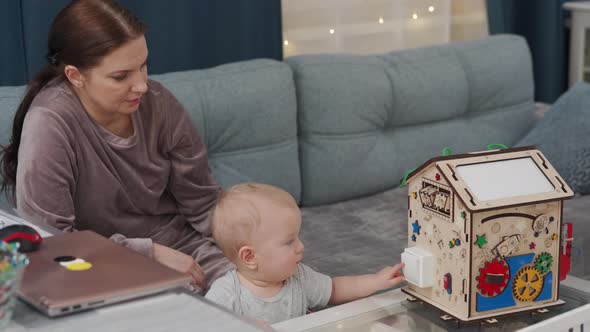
x=499, y=178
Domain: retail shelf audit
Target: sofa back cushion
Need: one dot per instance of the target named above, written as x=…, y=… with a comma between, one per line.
x=562, y=136
x=10, y=98
x=246, y=114
x=366, y=120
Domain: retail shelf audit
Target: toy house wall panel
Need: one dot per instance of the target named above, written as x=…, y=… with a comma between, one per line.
x=493, y=236
x=436, y=225
x=515, y=256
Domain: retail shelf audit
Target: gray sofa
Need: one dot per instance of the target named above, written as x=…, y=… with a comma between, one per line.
x=340, y=131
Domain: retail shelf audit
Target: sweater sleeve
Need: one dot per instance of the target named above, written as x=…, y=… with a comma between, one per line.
x=47, y=174
x=191, y=182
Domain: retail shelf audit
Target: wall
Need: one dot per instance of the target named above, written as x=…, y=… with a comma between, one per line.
x=375, y=26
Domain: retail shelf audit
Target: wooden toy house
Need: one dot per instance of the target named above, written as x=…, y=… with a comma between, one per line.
x=484, y=233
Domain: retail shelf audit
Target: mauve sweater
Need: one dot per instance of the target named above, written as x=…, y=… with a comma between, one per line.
x=155, y=185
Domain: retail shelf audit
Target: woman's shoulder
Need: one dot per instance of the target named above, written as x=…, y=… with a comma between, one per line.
x=157, y=90
x=56, y=100
x=160, y=100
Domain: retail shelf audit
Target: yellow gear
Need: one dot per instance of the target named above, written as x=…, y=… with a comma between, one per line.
x=528, y=283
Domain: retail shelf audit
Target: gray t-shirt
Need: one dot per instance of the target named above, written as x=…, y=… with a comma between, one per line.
x=306, y=289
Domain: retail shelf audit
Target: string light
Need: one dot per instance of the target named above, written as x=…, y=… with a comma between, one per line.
x=414, y=16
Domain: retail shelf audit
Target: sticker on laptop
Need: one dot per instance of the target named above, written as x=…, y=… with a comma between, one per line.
x=72, y=263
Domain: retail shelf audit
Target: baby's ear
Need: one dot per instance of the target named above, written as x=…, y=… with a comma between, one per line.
x=247, y=256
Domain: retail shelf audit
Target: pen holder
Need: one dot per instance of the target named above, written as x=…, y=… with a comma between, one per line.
x=12, y=267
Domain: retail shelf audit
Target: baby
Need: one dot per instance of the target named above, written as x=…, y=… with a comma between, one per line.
x=257, y=227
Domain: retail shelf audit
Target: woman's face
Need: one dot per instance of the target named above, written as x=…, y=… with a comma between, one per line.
x=115, y=86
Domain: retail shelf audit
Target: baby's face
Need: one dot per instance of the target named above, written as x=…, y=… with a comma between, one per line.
x=277, y=245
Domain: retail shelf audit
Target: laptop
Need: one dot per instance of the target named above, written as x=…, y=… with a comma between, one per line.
x=82, y=270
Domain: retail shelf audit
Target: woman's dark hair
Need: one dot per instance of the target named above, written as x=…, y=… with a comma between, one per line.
x=81, y=35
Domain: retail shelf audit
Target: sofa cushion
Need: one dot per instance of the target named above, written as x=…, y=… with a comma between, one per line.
x=563, y=137
x=246, y=114
x=10, y=98
x=366, y=120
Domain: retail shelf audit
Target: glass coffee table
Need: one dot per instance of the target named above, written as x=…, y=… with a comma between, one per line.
x=391, y=311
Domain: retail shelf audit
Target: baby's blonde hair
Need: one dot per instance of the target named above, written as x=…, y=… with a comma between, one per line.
x=236, y=216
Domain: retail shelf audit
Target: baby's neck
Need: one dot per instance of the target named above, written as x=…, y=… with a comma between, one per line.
x=260, y=288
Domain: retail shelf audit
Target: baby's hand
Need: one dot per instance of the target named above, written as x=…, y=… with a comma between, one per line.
x=389, y=277
x=263, y=325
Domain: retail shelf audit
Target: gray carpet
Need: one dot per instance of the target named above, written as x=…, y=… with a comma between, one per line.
x=363, y=235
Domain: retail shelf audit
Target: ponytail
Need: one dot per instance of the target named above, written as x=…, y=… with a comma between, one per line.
x=9, y=153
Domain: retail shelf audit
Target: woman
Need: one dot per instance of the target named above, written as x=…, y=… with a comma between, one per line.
x=96, y=145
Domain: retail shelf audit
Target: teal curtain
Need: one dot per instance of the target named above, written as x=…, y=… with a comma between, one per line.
x=542, y=23
x=184, y=34
x=12, y=56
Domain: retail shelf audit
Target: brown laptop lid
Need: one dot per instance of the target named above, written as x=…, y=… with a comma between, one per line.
x=116, y=272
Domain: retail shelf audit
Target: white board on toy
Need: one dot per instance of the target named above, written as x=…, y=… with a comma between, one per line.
x=504, y=179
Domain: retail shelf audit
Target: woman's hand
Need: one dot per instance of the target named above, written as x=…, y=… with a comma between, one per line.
x=180, y=262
